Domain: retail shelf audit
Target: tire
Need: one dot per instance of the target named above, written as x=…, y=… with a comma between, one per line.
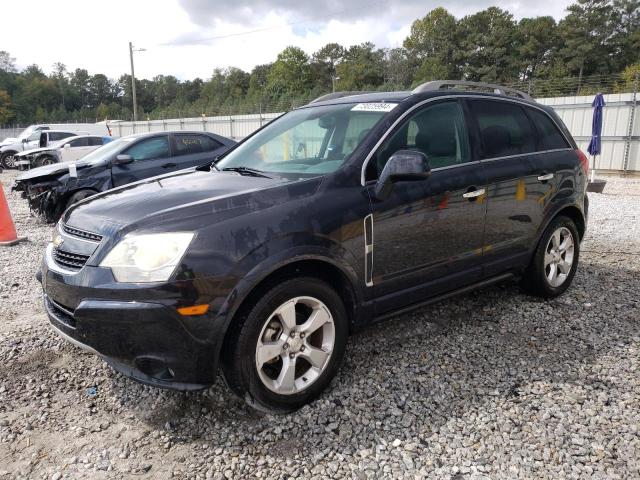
x=7, y=160
x=261, y=328
x=553, y=266
x=79, y=195
x=45, y=160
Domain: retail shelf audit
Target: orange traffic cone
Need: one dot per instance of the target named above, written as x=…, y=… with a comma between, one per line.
x=8, y=235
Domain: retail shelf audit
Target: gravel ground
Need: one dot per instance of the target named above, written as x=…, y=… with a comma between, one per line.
x=493, y=384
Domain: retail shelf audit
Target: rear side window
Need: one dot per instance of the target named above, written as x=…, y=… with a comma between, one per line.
x=80, y=142
x=504, y=128
x=95, y=141
x=155, y=147
x=191, y=144
x=549, y=137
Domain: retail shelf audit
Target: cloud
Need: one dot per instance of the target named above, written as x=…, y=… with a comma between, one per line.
x=189, y=38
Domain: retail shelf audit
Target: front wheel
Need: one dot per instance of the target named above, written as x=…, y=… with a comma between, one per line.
x=555, y=260
x=8, y=159
x=46, y=160
x=284, y=351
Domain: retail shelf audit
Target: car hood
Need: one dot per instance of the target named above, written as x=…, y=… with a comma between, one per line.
x=55, y=169
x=158, y=200
x=35, y=150
x=8, y=141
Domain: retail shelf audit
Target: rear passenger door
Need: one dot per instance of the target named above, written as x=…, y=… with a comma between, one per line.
x=194, y=149
x=151, y=156
x=514, y=210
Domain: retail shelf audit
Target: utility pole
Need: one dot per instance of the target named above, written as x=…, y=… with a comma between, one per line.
x=133, y=84
x=133, y=80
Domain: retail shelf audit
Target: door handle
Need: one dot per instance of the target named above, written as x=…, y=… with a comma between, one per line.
x=168, y=165
x=473, y=194
x=545, y=177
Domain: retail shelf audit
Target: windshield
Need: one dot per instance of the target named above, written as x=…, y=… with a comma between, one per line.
x=26, y=132
x=104, y=152
x=310, y=141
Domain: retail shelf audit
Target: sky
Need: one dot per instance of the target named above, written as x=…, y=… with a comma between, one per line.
x=189, y=38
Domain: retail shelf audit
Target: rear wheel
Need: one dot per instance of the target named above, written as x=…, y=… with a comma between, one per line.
x=284, y=351
x=8, y=160
x=45, y=160
x=79, y=195
x=555, y=260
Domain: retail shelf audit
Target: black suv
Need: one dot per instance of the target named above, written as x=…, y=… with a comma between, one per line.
x=335, y=215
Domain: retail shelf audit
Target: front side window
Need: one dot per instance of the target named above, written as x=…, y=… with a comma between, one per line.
x=505, y=130
x=189, y=144
x=439, y=131
x=309, y=141
x=95, y=141
x=549, y=137
x=149, y=148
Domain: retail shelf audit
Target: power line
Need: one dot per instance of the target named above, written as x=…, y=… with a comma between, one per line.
x=265, y=29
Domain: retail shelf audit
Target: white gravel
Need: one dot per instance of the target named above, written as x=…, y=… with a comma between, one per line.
x=493, y=384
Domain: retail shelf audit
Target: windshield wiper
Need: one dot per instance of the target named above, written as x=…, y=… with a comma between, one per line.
x=250, y=172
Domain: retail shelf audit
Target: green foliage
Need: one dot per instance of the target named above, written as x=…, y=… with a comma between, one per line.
x=595, y=46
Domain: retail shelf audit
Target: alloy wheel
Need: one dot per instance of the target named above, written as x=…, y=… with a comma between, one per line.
x=558, y=257
x=295, y=345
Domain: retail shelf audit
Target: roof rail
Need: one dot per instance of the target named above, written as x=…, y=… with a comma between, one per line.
x=334, y=95
x=452, y=84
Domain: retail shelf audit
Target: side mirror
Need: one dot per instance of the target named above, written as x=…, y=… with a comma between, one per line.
x=403, y=166
x=122, y=159
x=25, y=140
x=67, y=145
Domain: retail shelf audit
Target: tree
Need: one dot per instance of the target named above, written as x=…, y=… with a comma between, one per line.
x=486, y=40
x=586, y=33
x=537, y=42
x=290, y=74
x=6, y=112
x=362, y=68
x=432, y=45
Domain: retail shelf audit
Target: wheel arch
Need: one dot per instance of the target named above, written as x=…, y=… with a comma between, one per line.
x=575, y=214
x=322, y=268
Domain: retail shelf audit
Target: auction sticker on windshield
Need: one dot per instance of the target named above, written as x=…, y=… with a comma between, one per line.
x=374, y=107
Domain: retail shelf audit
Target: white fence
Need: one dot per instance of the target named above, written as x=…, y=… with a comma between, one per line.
x=620, y=130
x=620, y=135
x=234, y=126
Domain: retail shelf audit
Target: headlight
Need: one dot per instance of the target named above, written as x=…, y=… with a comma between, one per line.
x=147, y=258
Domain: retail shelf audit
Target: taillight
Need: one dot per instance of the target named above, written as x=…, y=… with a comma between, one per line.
x=583, y=160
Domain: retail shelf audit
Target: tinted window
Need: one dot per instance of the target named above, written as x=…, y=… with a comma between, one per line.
x=549, y=137
x=80, y=142
x=190, y=144
x=504, y=128
x=59, y=135
x=439, y=131
x=156, y=147
x=95, y=141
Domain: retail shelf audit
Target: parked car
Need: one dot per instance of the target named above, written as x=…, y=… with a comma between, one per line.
x=65, y=150
x=344, y=212
x=24, y=134
x=52, y=188
x=37, y=139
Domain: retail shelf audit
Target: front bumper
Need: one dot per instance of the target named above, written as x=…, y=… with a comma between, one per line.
x=135, y=328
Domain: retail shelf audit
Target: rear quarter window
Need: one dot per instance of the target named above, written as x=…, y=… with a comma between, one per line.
x=549, y=136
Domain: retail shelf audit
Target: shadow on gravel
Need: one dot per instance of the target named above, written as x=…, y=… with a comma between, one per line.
x=410, y=376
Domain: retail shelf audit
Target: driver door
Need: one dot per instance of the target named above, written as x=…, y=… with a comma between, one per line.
x=151, y=157
x=427, y=235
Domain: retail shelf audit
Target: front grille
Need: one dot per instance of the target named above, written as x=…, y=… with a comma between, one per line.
x=68, y=260
x=62, y=313
x=94, y=237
